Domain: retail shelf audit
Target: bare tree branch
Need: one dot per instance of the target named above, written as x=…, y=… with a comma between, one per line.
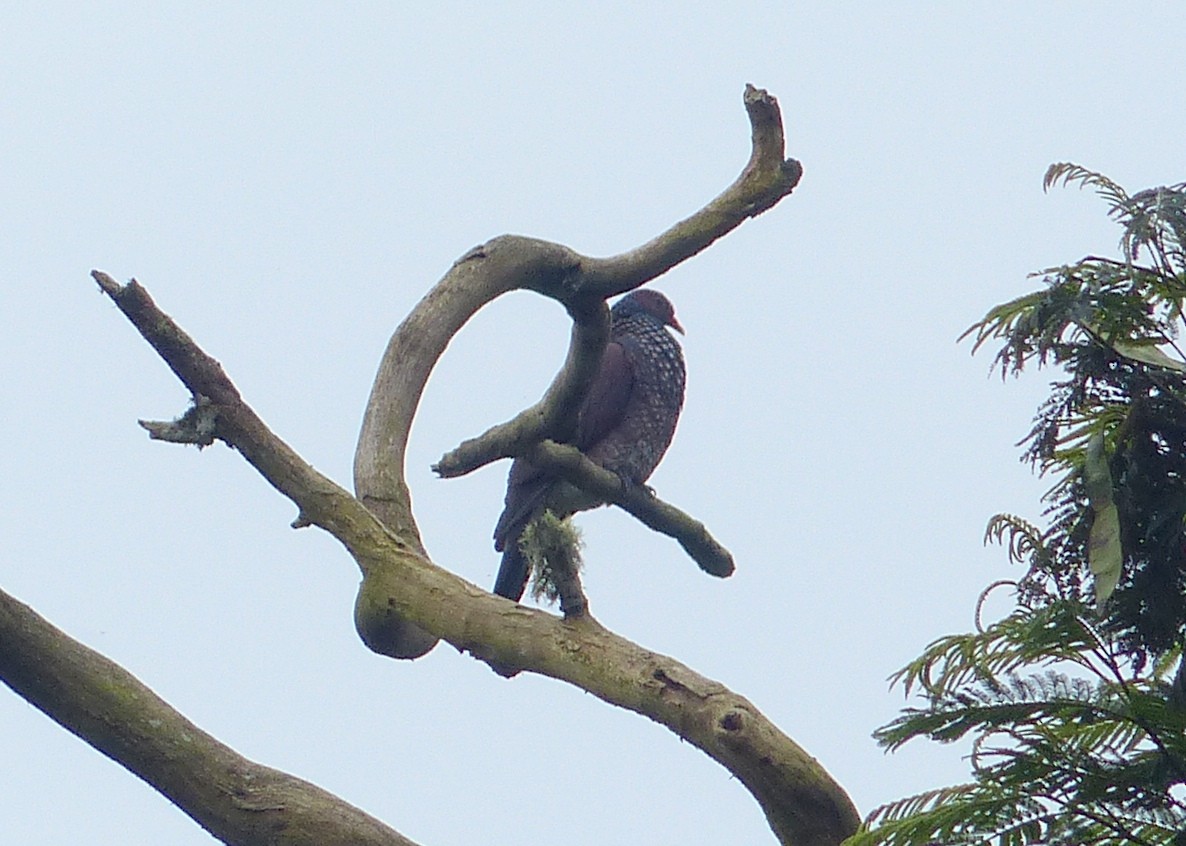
x=405, y=602
x=802, y=803
x=581, y=283
x=570, y=464
x=559, y=272
x=237, y=800
x=766, y=179
x=560, y=403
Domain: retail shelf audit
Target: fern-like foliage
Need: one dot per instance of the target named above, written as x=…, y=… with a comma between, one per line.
x=1075, y=703
x=1111, y=326
x=1070, y=744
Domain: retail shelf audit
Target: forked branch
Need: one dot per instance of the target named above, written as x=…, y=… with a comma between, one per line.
x=404, y=593
x=581, y=283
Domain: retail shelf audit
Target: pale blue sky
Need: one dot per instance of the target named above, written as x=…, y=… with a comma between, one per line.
x=288, y=178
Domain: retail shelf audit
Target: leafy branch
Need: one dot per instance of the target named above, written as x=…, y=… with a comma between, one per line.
x=1072, y=705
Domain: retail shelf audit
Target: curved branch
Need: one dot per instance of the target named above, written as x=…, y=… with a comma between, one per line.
x=560, y=403
x=475, y=279
x=237, y=800
x=766, y=179
x=513, y=262
x=501, y=265
x=801, y=801
x=561, y=273
x=405, y=601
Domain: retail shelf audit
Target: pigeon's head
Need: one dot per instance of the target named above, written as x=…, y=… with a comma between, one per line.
x=646, y=301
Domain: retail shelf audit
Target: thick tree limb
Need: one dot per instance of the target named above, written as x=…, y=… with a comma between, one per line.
x=238, y=801
x=406, y=602
x=802, y=803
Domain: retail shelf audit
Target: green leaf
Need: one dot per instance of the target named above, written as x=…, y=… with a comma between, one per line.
x=1148, y=353
x=1104, y=554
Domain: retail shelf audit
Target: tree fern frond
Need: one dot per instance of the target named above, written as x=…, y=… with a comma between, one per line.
x=1054, y=632
x=1022, y=539
x=1068, y=172
x=961, y=814
x=1155, y=220
x=920, y=803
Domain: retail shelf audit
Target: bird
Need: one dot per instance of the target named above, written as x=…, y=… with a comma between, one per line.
x=625, y=425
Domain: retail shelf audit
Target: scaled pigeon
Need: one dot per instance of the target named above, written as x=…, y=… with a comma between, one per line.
x=625, y=425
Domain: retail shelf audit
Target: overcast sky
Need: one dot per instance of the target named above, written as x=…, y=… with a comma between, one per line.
x=287, y=179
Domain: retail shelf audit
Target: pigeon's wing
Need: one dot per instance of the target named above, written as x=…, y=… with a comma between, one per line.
x=608, y=397
x=602, y=411
x=527, y=487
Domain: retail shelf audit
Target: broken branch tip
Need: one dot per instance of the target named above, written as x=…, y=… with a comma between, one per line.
x=106, y=283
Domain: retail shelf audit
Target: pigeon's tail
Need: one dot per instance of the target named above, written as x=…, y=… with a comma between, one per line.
x=524, y=499
x=512, y=575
